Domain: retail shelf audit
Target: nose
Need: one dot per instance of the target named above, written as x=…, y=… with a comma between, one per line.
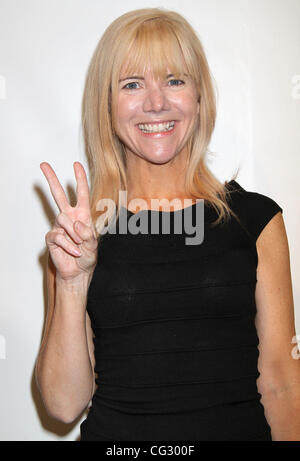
x=156, y=99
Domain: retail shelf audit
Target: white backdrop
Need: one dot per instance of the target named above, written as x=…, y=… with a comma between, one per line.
x=253, y=48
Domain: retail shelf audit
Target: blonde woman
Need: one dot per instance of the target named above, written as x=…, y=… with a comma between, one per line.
x=165, y=340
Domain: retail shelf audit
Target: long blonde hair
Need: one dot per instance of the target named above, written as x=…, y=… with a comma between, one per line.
x=164, y=39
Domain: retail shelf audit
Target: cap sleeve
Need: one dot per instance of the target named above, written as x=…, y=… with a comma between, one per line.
x=253, y=208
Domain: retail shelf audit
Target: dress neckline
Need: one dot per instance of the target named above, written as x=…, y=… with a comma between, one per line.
x=148, y=210
x=161, y=212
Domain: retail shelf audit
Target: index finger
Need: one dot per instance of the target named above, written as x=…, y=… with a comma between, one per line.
x=56, y=188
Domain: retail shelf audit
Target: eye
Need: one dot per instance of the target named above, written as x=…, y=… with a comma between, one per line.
x=126, y=87
x=176, y=80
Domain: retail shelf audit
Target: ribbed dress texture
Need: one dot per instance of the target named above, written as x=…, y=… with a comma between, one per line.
x=174, y=329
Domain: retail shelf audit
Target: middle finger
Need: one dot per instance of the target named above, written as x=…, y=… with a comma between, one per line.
x=82, y=189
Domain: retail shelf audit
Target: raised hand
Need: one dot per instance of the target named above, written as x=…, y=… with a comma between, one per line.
x=72, y=241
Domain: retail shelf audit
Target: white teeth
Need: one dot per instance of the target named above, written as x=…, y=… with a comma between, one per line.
x=157, y=128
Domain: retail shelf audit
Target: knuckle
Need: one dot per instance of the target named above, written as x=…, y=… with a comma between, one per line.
x=60, y=220
x=47, y=237
x=59, y=238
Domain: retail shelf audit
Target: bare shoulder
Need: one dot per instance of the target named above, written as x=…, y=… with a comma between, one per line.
x=273, y=235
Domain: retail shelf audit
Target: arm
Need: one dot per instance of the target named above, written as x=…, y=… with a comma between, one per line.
x=279, y=381
x=64, y=367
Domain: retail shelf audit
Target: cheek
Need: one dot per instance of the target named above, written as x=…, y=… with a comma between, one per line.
x=192, y=104
x=127, y=108
x=121, y=110
x=187, y=104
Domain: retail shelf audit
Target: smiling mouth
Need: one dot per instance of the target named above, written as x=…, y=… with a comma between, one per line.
x=161, y=127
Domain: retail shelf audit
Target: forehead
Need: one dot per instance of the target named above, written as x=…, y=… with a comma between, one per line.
x=153, y=54
x=148, y=74
x=129, y=69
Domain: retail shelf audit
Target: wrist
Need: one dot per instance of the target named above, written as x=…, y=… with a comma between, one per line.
x=79, y=284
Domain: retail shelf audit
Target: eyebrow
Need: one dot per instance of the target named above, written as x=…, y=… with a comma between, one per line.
x=142, y=78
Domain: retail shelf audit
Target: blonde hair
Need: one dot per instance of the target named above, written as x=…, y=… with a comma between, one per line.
x=136, y=39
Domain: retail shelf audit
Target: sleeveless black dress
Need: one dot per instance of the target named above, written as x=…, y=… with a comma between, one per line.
x=175, y=340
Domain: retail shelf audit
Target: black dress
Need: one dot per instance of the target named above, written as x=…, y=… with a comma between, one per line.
x=175, y=339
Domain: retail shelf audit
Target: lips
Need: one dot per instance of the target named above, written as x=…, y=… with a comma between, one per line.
x=157, y=134
x=155, y=122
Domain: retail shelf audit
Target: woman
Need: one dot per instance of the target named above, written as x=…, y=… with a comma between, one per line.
x=187, y=341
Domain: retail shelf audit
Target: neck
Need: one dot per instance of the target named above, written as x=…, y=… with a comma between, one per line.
x=148, y=180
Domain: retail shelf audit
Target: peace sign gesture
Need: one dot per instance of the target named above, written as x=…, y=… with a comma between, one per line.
x=72, y=242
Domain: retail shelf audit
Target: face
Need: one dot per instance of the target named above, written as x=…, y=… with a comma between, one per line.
x=144, y=103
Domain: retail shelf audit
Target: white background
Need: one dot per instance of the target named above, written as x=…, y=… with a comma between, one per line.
x=253, y=48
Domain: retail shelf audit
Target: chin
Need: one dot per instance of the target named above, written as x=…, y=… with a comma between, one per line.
x=159, y=161
x=160, y=158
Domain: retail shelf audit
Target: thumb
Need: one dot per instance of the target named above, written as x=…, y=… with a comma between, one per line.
x=87, y=233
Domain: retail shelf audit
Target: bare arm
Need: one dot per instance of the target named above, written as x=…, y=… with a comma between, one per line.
x=64, y=368
x=279, y=381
